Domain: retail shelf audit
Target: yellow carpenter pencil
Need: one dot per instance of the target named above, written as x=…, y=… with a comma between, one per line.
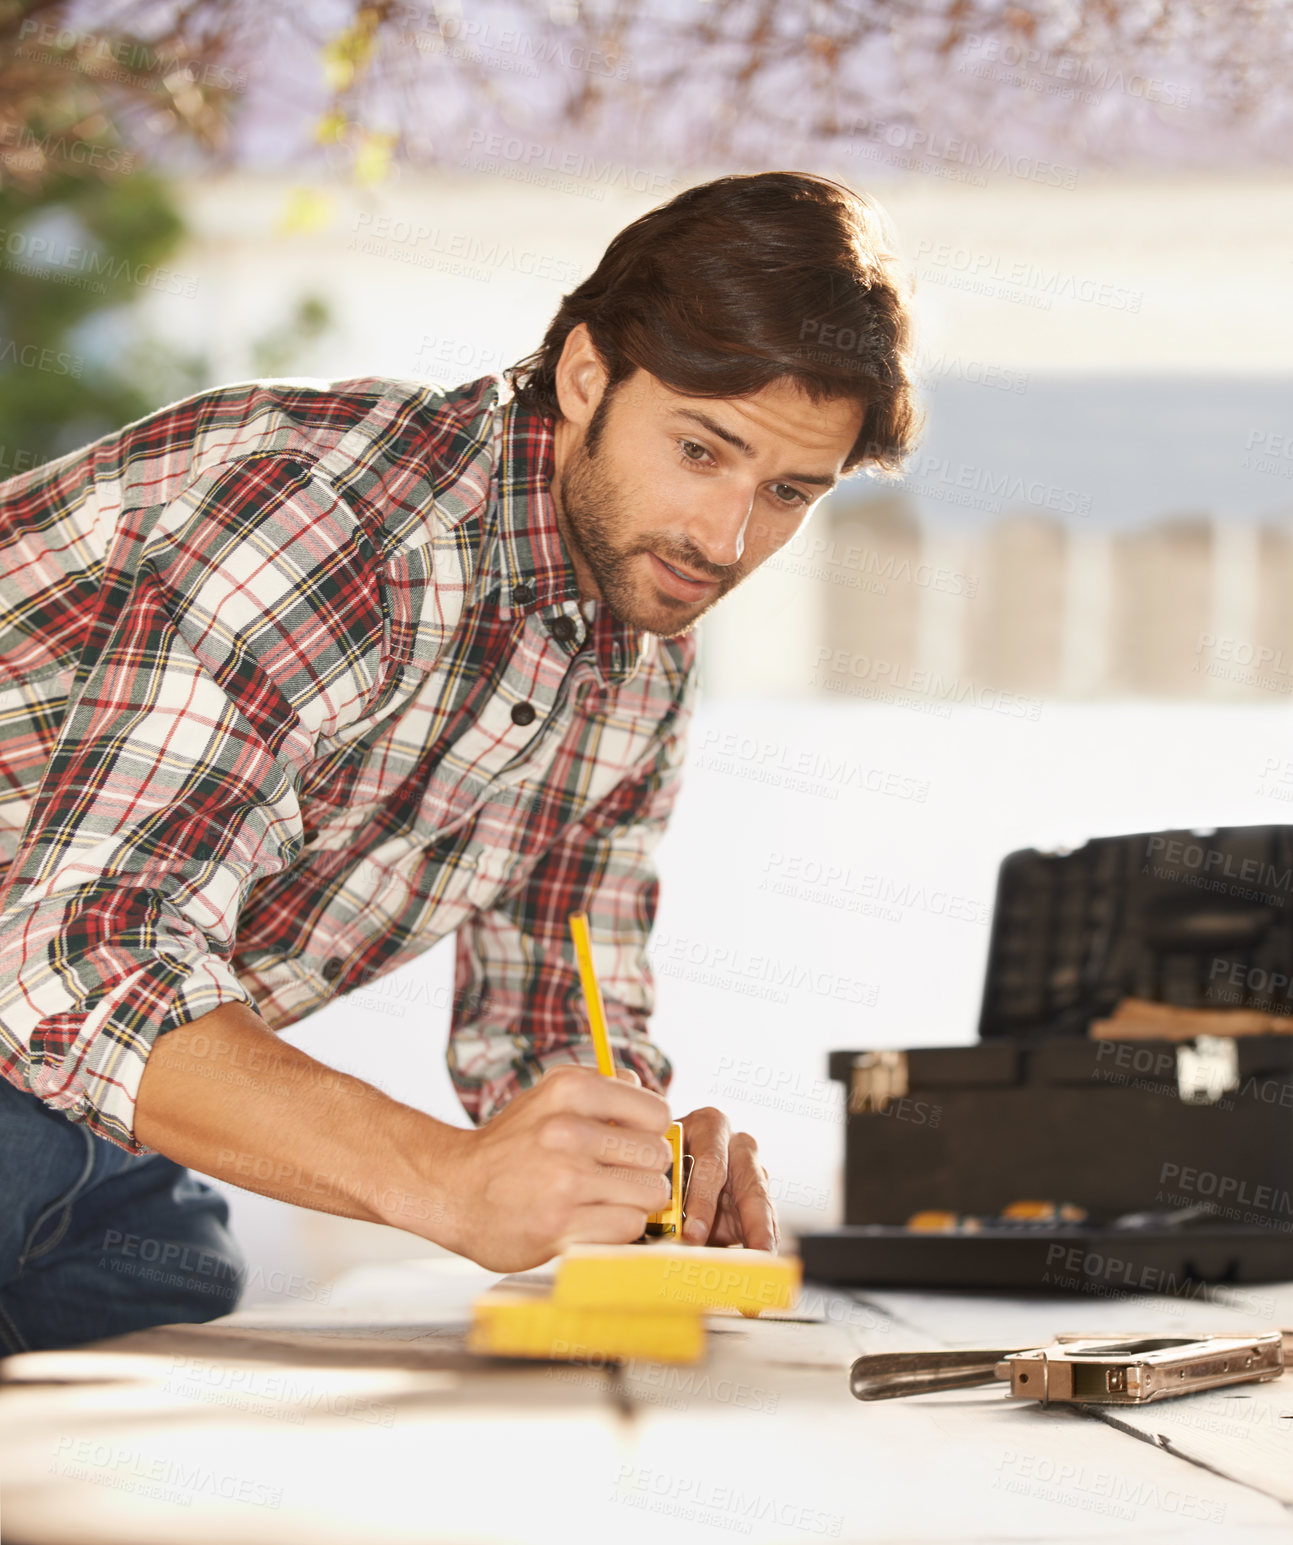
x=592, y=993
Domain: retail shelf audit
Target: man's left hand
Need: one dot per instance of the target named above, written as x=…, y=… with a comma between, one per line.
x=727, y=1201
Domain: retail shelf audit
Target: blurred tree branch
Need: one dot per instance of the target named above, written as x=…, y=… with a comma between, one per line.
x=70, y=93
x=359, y=82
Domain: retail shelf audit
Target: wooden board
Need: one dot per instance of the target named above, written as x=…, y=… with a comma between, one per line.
x=367, y=1420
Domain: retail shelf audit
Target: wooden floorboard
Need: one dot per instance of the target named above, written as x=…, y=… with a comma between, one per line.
x=367, y=1420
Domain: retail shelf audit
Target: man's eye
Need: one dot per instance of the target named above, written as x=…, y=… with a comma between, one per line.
x=799, y=498
x=695, y=446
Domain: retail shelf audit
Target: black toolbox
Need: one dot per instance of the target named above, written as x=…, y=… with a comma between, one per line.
x=1196, y=1133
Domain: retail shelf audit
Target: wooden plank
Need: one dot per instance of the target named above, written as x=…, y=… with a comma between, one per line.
x=1244, y=1433
x=365, y=1420
x=991, y=1319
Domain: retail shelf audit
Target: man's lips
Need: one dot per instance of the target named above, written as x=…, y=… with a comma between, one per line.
x=678, y=582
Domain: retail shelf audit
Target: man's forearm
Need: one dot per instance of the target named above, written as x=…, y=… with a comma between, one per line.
x=225, y=1096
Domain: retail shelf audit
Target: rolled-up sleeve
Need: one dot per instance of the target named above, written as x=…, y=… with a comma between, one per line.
x=518, y=1004
x=239, y=625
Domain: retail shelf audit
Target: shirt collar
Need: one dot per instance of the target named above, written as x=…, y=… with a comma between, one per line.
x=525, y=559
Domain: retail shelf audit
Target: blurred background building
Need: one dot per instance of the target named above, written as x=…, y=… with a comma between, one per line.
x=1070, y=617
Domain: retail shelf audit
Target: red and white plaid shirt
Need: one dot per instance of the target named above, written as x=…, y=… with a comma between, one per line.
x=295, y=681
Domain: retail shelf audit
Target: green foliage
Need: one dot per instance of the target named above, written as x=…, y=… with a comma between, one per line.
x=77, y=255
x=275, y=353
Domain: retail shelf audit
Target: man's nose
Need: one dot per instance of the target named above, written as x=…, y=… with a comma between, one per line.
x=719, y=531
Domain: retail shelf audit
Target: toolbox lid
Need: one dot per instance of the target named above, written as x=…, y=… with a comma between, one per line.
x=1199, y=918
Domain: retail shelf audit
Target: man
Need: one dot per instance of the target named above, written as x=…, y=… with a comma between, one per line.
x=302, y=677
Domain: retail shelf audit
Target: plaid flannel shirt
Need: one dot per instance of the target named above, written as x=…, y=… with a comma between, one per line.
x=295, y=681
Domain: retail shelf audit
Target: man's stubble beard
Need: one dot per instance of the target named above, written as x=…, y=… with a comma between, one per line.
x=595, y=527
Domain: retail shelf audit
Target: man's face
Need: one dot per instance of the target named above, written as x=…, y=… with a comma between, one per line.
x=666, y=502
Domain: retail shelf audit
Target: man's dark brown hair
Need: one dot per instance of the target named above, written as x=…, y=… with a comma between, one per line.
x=739, y=282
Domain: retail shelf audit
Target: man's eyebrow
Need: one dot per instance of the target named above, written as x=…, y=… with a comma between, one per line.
x=747, y=450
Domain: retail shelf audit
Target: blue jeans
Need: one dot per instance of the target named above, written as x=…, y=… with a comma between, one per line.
x=95, y=1241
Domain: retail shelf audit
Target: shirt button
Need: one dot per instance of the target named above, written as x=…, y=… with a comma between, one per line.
x=564, y=629
x=523, y=594
x=523, y=713
x=333, y=968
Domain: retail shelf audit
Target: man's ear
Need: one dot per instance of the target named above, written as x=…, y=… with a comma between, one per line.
x=580, y=377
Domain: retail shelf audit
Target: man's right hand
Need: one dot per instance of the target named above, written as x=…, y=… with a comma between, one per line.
x=550, y=1169
x=226, y=1096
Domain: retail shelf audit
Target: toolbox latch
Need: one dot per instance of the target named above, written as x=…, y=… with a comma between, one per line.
x=878, y=1077
x=1207, y=1069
